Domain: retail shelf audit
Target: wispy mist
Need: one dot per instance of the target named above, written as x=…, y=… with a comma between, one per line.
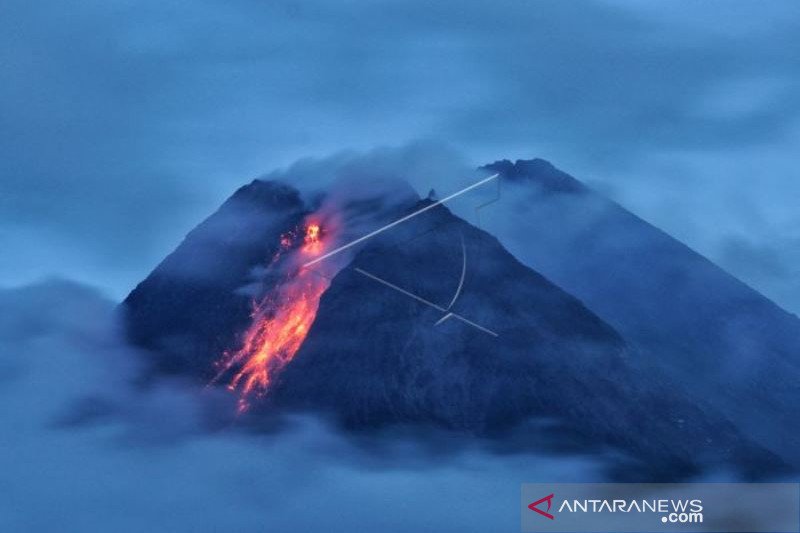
x=86, y=448
x=125, y=125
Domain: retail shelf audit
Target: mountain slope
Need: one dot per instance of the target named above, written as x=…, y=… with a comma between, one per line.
x=708, y=332
x=192, y=306
x=376, y=356
x=519, y=355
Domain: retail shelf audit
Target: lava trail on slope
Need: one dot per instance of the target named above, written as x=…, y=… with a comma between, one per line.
x=282, y=317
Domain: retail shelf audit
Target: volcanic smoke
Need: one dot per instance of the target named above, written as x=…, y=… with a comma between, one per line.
x=281, y=318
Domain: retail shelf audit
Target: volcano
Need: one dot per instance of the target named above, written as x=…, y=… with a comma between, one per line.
x=433, y=324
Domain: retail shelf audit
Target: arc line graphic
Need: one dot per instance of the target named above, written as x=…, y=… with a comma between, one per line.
x=463, y=272
x=420, y=299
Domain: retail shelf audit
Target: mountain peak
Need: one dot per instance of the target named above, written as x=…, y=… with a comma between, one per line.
x=537, y=171
x=271, y=193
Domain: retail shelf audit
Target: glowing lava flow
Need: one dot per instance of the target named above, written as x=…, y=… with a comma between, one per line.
x=281, y=321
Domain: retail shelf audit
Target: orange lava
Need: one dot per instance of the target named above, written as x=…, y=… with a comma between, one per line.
x=311, y=242
x=281, y=321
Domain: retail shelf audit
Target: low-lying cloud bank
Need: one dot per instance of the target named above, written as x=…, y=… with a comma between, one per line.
x=85, y=448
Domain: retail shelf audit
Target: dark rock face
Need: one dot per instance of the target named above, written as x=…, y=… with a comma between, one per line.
x=709, y=333
x=377, y=357
x=193, y=305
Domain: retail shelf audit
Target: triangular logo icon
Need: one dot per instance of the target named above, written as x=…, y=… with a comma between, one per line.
x=549, y=500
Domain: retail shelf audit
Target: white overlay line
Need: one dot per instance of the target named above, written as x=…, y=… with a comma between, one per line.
x=426, y=302
x=399, y=221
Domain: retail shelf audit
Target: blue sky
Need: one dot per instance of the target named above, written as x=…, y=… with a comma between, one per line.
x=122, y=124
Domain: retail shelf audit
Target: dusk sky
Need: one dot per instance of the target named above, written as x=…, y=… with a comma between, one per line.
x=122, y=124
x=613, y=353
